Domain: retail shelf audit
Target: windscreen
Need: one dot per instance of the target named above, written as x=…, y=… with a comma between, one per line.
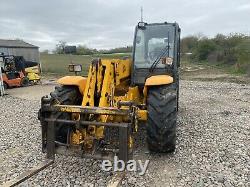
x=151, y=42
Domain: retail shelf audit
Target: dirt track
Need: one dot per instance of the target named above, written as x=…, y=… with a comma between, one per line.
x=32, y=92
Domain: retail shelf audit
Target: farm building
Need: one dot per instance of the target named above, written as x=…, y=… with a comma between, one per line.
x=20, y=48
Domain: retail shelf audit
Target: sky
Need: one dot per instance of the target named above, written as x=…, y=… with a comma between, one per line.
x=105, y=24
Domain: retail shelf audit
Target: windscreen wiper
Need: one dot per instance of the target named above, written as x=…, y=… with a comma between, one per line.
x=162, y=54
x=157, y=60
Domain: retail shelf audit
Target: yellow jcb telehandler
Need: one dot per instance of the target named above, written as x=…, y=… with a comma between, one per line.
x=117, y=93
x=97, y=116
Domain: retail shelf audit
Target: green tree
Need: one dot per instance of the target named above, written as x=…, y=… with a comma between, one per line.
x=188, y=44
x=60, y=47
x=203, y=49
x=243, y=56
x=84, y=50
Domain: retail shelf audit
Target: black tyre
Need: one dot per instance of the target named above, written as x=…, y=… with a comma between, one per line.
x=178, y=89
x=162, y=117
x=64, y=95
x=5, y=85
x=31, y=83
x=25, y=82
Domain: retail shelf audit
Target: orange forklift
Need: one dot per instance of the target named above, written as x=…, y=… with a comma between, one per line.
x=13, y=74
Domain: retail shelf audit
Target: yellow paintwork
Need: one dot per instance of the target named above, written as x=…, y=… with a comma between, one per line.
x=159, y=80
x=142, y=115
x=76, y=137
x=103, y=78
x=88, y=96
x=74, y=81
x=107, y=84
x=69, y=109
x=33, y=77
x=34, y=69
x=33, y=73
x=130, y=142
x=133, y=94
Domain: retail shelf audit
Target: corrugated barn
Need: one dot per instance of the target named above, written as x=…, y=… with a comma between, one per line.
x=20, y=48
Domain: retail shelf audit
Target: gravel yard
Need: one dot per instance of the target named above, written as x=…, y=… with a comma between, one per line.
x=213, y=138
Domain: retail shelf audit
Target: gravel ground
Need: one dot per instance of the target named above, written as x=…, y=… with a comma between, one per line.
x=212, y=143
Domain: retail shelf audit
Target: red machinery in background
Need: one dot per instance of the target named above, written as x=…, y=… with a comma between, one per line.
x=12, y=75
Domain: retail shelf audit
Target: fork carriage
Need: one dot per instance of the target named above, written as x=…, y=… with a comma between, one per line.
x=51, y=146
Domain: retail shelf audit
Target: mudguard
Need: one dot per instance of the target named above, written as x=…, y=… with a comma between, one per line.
x=159, y=80
x=156, y=80
x=78, y=81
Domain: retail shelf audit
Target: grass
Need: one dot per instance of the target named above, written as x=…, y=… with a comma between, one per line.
x=217, y=71
x=56, y=64
x=217, y=67
x=226, y=68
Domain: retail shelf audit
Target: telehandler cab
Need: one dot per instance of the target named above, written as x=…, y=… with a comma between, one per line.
x=79, y=116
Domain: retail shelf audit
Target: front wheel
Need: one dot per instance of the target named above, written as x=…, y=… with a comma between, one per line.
x=64, y=95
x=162, y=118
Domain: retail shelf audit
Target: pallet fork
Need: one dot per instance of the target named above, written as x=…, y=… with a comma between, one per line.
x=52, y=147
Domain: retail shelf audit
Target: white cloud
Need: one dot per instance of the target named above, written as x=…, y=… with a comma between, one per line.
x=110, y=23
x=244, y=7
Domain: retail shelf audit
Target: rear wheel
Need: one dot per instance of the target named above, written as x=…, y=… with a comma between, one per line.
x=64, y=95
x=162, y=117
x=5, y=85
x=25, y=82
x=32, y=83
